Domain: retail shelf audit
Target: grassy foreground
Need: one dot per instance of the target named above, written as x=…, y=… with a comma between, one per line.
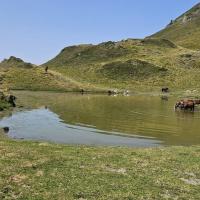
x=34, y=170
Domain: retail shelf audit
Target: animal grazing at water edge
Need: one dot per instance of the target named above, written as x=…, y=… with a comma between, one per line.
x=186, y=104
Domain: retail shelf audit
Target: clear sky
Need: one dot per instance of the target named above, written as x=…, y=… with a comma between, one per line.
x=36, y=30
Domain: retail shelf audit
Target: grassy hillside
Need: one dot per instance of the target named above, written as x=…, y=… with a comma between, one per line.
x=130, y=64
x=169, y=58
x=185, y=30
x=147, y=64
x=18, y=74
x=37, y=79
x=35, y=170
x=15, y=62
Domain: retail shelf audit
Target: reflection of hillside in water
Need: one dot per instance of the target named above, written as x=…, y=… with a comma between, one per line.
x=43, y=124
x=140, y=115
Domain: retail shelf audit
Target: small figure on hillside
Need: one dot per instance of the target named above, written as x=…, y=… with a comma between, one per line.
x=171, y=22
x=46, y=69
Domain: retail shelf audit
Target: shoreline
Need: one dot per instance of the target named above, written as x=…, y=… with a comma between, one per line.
x=20, y=108
x=179, y=93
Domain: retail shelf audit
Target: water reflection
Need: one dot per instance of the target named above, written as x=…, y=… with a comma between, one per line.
x=142, y=115
x=42, y=124
x=164, y=98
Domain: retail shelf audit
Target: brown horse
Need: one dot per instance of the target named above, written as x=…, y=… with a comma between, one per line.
x=197, y=102
x=185, y=105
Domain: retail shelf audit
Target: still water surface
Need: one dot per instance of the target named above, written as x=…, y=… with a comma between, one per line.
x=140, y=120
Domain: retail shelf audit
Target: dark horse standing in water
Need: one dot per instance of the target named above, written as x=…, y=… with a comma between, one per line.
x=165, y=90
x=185, y=105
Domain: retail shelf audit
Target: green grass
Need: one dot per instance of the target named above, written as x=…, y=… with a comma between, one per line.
x=36, y=79
x=4, y=105
x=147, y=64
x=15, y=62
x=185, y=30
x=130, y=69
x=36, y=170
x=19, y=75
x=137, y=65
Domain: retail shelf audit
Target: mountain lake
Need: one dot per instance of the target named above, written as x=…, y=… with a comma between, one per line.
x=94, y=119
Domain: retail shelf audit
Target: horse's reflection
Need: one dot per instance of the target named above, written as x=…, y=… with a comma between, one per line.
x=164, y=98
x=186, y=114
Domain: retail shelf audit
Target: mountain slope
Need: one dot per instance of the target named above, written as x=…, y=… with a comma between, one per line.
x=169, y=58
x=15, y=62
x=185, y=30
x=131, y=64
x=18, y=74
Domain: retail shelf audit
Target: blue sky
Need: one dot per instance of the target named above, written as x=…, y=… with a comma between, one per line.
x=36, y=30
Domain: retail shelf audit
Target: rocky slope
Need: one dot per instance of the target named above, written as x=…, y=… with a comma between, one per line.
x=185, y=30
